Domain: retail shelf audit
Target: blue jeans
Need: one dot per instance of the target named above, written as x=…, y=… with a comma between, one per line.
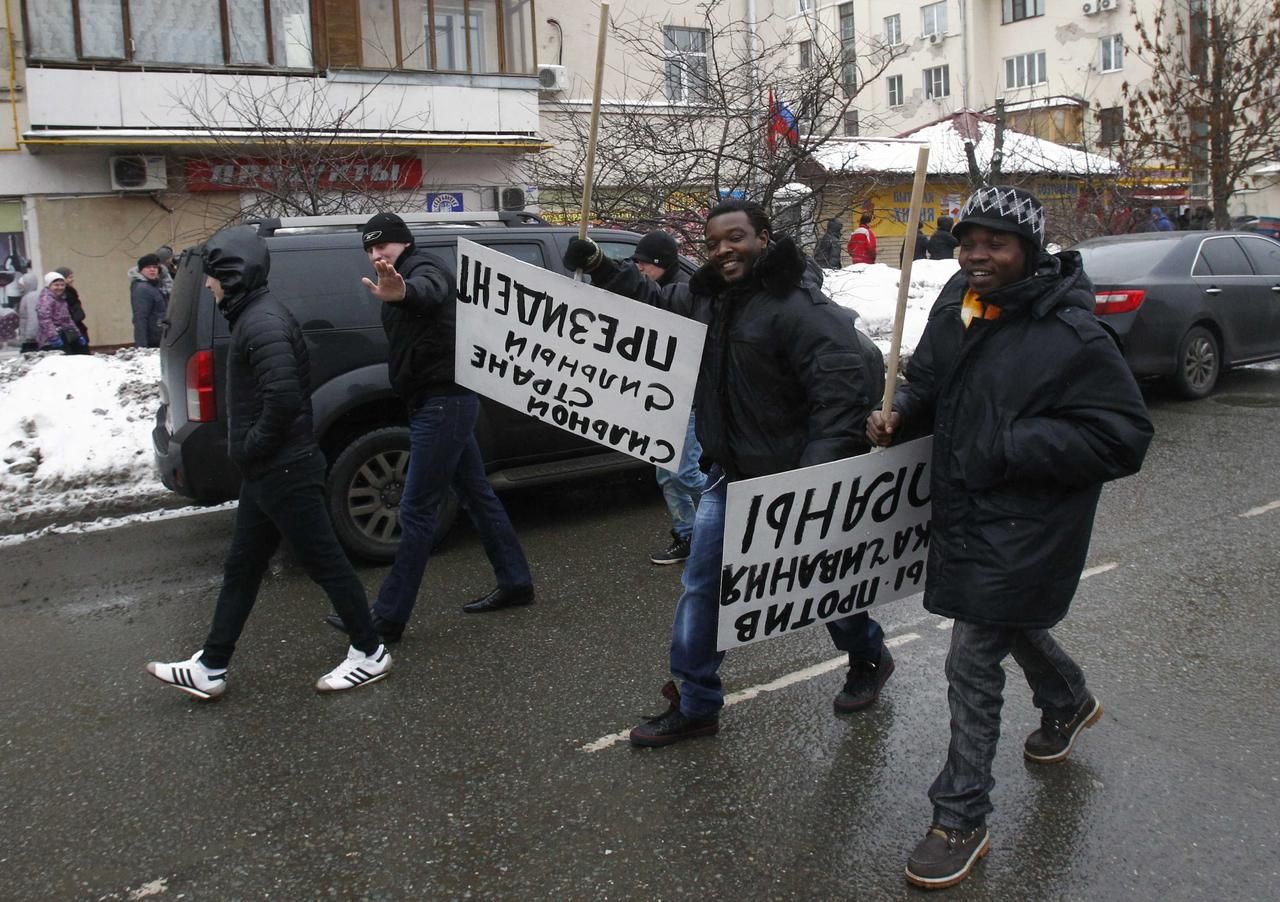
x=682, y=487
x=443, y=452
x=961, y=794
x=694, y=658
x=286, y=501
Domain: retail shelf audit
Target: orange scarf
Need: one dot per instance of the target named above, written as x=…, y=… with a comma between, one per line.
x=972, y=308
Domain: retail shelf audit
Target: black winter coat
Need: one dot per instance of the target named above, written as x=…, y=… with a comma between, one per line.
x=942, y=244
x=420, y=329
x=269, y=420
x=786, y=379
x=1030, y=414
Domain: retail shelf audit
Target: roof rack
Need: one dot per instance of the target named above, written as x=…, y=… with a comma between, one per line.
x=353, y=222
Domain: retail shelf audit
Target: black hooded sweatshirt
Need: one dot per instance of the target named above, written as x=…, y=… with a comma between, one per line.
x=268, y=370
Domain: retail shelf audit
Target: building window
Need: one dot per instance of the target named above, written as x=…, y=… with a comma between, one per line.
x=848, y=49
x=164, y=33
x=934, y=18
x=851, y=123
x=896, y=97
x=686, y=50
x=1025, y=70
x=937, y=82
x=1111, y=126
x=1112, y=53
x=1016, y=10
x=893, y=30
x=806, y=54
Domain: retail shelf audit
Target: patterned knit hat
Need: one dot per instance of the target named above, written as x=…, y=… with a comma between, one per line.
x=1004, y=208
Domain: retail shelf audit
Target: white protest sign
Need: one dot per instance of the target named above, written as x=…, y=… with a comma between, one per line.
x=811, y=545
x=617, y=371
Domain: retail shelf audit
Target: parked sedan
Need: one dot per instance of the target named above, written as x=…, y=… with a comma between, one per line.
x=1188, y=305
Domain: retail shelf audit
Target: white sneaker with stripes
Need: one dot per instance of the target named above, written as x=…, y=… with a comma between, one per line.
x=191, y=677
x=357, y=670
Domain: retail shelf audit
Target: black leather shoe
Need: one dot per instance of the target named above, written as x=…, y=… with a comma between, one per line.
x=499, y=599
x=388, y=630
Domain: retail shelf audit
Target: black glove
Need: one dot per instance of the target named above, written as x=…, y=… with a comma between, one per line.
x=583, y=254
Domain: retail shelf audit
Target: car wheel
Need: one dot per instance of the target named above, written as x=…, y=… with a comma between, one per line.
x=364, y=490
x=1199, y=362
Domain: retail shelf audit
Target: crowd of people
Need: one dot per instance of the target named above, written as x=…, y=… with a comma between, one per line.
x=1027, y=399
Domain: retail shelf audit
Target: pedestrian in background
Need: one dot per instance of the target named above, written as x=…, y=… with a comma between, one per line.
x=419, y=300
x=28, y=320
x=74, y=304
x=942, y=244
x=271, y=440
x=147, y=300
x=862, y=243
x=1032, y=408
x=827, y=253
x=55, y=329
x=657, y=256
x=786, y=381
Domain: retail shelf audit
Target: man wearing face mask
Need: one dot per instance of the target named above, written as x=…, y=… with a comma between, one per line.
x=786, y=381
x=418, y=298
x=271, y=439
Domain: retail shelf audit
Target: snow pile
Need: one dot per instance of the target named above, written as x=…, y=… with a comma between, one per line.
x=871, y=289
x=75, y=431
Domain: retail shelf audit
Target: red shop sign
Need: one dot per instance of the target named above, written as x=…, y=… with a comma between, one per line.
x=387, y=174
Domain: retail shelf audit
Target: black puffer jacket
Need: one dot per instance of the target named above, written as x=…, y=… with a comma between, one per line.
x=420, y=329
x=786, y=379
x=1030, y=413
x=268, y=372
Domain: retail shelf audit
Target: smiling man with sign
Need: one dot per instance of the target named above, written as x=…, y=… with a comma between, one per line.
x=786, y=381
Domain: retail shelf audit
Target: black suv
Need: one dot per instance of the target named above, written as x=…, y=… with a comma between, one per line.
x=316, y=265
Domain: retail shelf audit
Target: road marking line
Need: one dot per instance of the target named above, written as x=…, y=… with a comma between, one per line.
x=1259, y=511
x=743, y=695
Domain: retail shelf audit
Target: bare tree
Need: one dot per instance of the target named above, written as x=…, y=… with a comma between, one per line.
x=694, y=128
x=1210, y=105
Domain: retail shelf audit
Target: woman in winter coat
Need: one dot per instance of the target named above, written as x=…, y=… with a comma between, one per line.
x=53, y=316
x=28, y=321
x=74, y=304
x=1032, y=408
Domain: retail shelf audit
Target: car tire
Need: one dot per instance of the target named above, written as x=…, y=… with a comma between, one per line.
x=364, y=488
x=1198, y=365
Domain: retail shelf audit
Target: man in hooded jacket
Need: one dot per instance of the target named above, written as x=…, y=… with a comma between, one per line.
x=271, y=439
x=1032, y=408
x=786, y=381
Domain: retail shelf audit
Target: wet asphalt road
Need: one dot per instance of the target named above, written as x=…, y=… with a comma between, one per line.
x=464, y=774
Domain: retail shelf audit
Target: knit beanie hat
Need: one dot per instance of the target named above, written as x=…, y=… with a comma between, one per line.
x=384, y=228
x=51, y=277
x=147, y=260
x=657, y=248
x=1004, y=208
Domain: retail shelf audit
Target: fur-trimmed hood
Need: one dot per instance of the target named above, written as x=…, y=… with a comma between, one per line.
x=782, y=268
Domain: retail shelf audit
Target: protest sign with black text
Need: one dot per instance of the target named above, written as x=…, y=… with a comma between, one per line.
x=617, y=371
x=811, y=545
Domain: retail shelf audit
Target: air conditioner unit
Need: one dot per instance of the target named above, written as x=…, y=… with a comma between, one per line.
x=1104, y=5
x=1090, y=8
x=512, y=198
x=552, y=78
x=135, y=172
x=937, y=37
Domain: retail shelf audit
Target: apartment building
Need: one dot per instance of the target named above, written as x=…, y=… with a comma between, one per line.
x=138, y=123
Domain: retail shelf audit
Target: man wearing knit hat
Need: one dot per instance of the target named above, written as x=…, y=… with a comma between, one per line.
x=657, y=256
x=1032, y=408
x=147, y=300
x=418, y=298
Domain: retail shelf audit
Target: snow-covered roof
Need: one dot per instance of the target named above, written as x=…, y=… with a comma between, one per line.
x=1023, y=153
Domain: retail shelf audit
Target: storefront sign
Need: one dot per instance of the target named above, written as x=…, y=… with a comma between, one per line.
x=374, y=174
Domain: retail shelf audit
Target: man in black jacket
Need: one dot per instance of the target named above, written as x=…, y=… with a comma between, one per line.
x=786, y=381
x=271, y=440
x=419, y=300
x=1032, y=408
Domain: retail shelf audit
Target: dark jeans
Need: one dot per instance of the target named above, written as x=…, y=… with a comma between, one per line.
x=694, y=658
x=443, y=452
x=961, y=794
x=288, y=501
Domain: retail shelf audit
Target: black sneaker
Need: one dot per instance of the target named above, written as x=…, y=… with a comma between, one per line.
x=1058, y=732
x=945, y=857
x=862, y=685
x=672, y=725
x=675, y=553
x=388, y=631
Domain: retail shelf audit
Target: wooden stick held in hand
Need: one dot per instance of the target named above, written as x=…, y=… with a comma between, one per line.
x=588, y=179
x=904, y=280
